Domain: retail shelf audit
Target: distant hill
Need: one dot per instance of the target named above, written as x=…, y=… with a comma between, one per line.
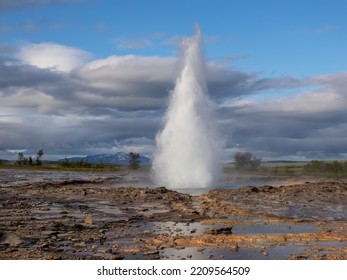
x=119, y=158
x=4, y=161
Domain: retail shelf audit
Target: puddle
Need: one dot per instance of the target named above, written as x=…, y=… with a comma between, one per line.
x=170, y=228
x=273, y=228
x=103, y=211
x=196, y=228
x=280, y=252
x=331, y=244
x=328, y=212
x=149, y=209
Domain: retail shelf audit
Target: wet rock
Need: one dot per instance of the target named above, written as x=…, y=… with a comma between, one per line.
x=102, y=240
x=249, y=189
x=78, y=226
x=216, y=231
x=44, y=245
x=266, y=188
x=150, y=253
x=301, y=257
x=265, y=254
x=235, y=248
x=57, y=224
x=117, y=257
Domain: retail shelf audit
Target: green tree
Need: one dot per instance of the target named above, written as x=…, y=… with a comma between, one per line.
x=39, y=156
x=134, y=160
x=244, y=160
x=20, y=159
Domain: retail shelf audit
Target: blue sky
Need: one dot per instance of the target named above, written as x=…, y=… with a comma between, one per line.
x=298, y=38
x=269, y=62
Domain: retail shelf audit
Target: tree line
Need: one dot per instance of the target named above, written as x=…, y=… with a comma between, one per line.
x=23, y=160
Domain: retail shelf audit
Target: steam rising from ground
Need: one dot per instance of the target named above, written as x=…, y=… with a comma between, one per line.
x=188, y=149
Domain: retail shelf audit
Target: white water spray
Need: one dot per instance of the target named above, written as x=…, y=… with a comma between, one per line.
x=188, y=149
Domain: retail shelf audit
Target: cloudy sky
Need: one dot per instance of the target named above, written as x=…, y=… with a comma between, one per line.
x=82, y=77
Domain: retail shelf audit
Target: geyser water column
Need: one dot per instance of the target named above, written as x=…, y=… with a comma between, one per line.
x=187, y=148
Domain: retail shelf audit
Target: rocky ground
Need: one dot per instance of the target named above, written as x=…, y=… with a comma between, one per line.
x=65, y=215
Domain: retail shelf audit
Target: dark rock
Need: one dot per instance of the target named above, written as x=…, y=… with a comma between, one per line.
x=215, y=231
x=79, y=226
x=150, y=253
x=117, y=257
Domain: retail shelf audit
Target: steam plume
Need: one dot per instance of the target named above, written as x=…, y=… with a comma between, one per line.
x=188, y=149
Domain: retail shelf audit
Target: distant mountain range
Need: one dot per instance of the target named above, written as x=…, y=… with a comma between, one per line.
x=117, y=159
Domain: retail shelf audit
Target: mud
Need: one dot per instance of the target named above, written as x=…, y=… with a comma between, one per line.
x=71, y=215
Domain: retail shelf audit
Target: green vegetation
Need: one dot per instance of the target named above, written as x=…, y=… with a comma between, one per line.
x=73, y=166
x=36, y=163
x=292, y=168
x=313, y=168
x=330, y=168
x=288, y=168
x=245, y=160
x=22, y=160
x=86, y=166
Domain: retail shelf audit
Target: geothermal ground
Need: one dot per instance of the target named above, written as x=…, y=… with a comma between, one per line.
x=71, y=215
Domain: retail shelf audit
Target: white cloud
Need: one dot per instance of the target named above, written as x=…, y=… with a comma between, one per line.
x=53, y=56
x=117, y=103
x=25, y=98
x=123, y=83
x=307, y=125
x=131, y=67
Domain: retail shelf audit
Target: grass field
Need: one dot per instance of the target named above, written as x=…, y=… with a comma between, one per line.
x=61, y=167
x=313, y=168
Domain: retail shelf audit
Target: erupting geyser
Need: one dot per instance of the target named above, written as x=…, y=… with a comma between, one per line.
x=188, y=149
